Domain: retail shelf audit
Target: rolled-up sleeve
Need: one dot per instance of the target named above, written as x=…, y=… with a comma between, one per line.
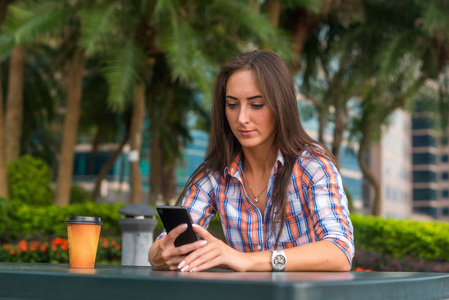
x=328, y=205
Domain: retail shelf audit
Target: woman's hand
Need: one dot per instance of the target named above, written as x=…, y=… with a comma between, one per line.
x=214, y=253
x=163, y=254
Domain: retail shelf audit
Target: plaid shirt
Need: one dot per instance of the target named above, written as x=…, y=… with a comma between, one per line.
x=317, y=207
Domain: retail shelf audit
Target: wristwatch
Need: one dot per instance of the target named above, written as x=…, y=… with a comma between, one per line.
x=278, y=260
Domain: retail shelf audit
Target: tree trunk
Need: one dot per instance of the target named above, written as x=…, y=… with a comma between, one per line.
x=273, y=8
x=108, y=165
x=169, y=186
x=376, y=208
x=305, y=25
x=14, y=105
x=340, y=127
x=322, y=122
x=137, y=120
x=65, y=168
x=96, y=144
x=3, y=170
x=155, y=167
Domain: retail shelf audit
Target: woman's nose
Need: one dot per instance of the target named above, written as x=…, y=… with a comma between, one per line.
x=243, y=116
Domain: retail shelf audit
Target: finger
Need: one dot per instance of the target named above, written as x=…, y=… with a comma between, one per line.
x=175, y=232
x=206, y=261
x=188, y=248
x=203, y=232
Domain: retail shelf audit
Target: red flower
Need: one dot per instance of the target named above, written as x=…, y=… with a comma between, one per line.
x=12, y=252
x=34, y=245
x=24, y=246
x=43, y=248
x=64, y=246
x=361, y=270
x=58, y=241
x=6, y=246
x=105, y=244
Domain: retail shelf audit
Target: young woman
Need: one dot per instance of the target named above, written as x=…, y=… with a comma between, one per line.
x=278, y=192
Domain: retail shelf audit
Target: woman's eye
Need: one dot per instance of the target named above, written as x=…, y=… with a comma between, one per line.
x=231, y=105
x=257, y=106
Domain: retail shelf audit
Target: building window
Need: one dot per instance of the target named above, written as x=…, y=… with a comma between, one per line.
x=444, y=141
x=445, y=176
x=444, y=158
x=422, y=123
x=423, y=140
x=424, y=159
x=445, y=211
x=424, y=194
x=445, y=194
x=431, y=211
x=424, y=176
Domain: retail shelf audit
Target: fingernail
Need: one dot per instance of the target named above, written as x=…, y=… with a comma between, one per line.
x=195, y=225
x=202, y=243
x=193, y=269
x=185, y=268
x=184, y=226
x=181, y=264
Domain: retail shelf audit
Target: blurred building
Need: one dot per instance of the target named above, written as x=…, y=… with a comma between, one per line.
x=351, y=174
x=390, y=161
x=410, y=161
x=430, y=166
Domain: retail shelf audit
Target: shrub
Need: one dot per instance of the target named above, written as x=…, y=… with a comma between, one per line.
x=29, y=181
x=79, y=195
x=4, y=216
x=27, y=221
x=402, y=238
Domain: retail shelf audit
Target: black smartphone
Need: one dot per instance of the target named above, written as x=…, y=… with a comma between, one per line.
x=173, y=216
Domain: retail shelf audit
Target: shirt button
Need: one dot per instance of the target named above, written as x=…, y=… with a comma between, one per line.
x=259, y=247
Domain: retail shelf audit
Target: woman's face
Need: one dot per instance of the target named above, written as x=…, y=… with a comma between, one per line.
x=248, y=115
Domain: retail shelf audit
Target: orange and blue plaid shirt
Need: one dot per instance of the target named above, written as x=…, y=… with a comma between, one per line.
x=317, y=206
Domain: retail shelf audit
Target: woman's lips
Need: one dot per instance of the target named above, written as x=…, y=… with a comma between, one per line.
x=246, y=132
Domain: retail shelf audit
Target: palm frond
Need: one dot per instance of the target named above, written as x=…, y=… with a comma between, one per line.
x=314, y=5
x=434, y=19
x=253, y=28
x=36, y=19
x=122, y=72
x=96, y=23
x=6, y=45
x=179, y=39
x=391, y=54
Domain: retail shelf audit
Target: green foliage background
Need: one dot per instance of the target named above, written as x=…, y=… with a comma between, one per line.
x=396, y=238
x=401, y=238
x=29, y=181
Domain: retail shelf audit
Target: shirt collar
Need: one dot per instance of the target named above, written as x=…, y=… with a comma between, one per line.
x=234, y=169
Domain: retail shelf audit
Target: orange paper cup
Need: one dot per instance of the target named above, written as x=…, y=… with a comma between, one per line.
x=83, y=234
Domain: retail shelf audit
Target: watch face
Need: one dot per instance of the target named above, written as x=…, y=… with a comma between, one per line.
x=279, y=261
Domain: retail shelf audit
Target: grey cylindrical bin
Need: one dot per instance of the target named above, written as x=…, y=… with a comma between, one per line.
x=138, y=223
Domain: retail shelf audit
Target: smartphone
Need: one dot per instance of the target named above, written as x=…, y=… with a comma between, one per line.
x=173, y=216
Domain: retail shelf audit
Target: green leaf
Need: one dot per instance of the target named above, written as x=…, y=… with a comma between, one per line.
x=122, y=72
x=96, y=24
x=7, y=44
x=40, y=19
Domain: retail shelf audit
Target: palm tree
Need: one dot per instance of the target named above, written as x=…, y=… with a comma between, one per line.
x=193, y=37
x=3, y=172
x=14, y=104
x=26, y=25
x=407, y=52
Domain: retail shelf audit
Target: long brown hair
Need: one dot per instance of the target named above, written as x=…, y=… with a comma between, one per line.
x=277, y=87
